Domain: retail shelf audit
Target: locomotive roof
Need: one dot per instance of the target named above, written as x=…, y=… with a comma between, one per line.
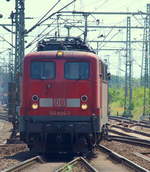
x=63, y=43
x=67, y=54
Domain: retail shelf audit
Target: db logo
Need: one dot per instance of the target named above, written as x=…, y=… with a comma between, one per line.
x=59, y=102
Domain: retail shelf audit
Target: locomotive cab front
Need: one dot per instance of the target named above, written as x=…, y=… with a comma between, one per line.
x=61, y=106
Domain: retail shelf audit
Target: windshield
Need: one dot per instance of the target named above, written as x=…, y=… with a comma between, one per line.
x=77, y=70
x=42, y=70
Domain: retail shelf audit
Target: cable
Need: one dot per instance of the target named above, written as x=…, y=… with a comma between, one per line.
x=33, y=27
x=38, y=23
x=42, y=38
x=111, y=37
x=71, y=24
x=32, y=42
x=48, y=12
x=137, y=20
x=39, y=38
x=107, y=35
x=100, y=6
x=7, y=42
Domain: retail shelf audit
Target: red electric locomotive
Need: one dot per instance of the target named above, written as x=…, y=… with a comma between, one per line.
x=64, y=92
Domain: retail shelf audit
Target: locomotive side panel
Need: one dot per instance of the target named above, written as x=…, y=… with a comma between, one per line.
x=103, y=95
x=104, y=116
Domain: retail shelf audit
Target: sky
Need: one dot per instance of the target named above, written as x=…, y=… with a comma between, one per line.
x=36, y=9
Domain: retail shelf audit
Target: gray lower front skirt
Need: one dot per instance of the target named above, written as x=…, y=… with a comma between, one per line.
x=55, y=124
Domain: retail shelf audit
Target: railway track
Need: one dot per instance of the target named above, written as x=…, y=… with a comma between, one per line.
x=120, y=131
x=103, y=160
x=78, y=164
x=97, y=164
x=129, y=139
x=131, y=166
x=4, y=116
x=129, y=131
x=25, y=164
x=123, y=134
x=37, y=163
x=113, y=131
x=129, y=121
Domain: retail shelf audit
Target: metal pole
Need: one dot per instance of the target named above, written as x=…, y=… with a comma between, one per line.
x=68, y=30
x=148, y=11
x=146, y=61
x=128, y=73
x=85, y=27
x=19, y=41
x=19, y=55
x=118, y=71
x=58, y=29
x=145, y=77
x=105, y=26
x=104, y=13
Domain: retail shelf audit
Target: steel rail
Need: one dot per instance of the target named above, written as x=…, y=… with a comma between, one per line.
x=146, y=122
x=142, y=125
x=132, y=123
x=4, y=117
x=119, y=118
x=73, y=163
x=24, y=164
x=118, y=132
x=129, y=140
x=122, y=159
x=131, y=131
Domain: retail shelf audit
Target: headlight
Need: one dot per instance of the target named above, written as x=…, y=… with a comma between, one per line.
x=84, y=106
x=35, y=106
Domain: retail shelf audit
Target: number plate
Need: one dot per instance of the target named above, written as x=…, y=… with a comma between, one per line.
x=59, y=102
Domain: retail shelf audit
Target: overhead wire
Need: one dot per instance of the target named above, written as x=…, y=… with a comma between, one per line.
x=7, y=41
x=137, y=20
x=58, y=11
x=42, y=38
x=49, y=11
x=46, y=14
x=41, y=21
x=107, y=36
x=72, y=24
x=37, y=37
x=38, y=24
x=100, y=6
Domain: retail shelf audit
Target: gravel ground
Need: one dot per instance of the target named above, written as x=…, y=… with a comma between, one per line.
x=128, y=150
x=5, y=132
x=10, y=154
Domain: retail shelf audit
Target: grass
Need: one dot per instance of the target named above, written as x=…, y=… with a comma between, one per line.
x=116, y=99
